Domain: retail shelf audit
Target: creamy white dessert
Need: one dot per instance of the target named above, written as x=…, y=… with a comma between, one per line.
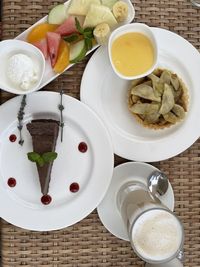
x=22, y=71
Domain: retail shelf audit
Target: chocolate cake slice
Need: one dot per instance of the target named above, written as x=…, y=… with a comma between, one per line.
x=44, y=136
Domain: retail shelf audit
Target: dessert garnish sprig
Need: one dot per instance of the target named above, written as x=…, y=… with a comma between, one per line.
x=42, y=159
x=61, y=108
x=20, y=117
x=87, y=34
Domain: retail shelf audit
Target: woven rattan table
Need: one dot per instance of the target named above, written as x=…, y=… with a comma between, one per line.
x=88, y=243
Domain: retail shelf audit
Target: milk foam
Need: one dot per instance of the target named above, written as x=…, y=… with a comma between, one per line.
x=157, y=235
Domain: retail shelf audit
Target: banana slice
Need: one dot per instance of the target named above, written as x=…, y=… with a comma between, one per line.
x=101, y=33
x=120, y=11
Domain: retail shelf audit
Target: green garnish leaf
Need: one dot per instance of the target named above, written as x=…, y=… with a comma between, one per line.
x=78, y=26
x=88, y=43
x=35, y=157
x=41, y=162
x=49, y=156
x=71, y=38
x=42, y=159
x=87, y=34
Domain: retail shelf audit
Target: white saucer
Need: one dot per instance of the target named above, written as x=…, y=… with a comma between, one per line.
x=108, y=211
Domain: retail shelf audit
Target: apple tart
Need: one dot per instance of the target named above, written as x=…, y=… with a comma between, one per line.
x=158, y=100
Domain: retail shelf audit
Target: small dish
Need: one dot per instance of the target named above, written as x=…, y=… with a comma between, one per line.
x=10, y=48
x=134, y=28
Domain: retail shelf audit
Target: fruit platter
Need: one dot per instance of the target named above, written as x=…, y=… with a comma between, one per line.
x=74, y=29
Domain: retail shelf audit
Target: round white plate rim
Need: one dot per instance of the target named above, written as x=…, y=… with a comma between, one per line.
x=124, y=146
x=14, y=213
x=113, y=223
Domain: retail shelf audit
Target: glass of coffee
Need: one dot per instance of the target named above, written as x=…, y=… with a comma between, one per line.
x=195, y=3
x=155, y=233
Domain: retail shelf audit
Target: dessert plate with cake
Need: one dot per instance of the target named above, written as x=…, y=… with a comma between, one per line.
x=56, y=161
x=150, y=118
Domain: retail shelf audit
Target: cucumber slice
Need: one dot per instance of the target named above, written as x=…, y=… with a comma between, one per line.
x=58, y=14
x=77, y=51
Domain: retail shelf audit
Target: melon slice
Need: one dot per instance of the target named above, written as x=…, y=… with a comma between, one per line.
x=81, y=7
x=77, y=51
x=108, y=3
x=99, y=14
x=42, y=45
x=68, y=27
x=53, y=41
x=58, y=14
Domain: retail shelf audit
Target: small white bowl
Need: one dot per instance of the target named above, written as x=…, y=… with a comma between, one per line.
x=9, y=48
x=133, y=27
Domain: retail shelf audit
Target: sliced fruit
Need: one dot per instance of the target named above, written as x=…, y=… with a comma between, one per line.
x=77, y=51
x=42, y=45
x=68, y=27
x=120, y=11
x=58, y=14
x=81, y=7
x=63, y=57
x=99, y=14
x=53, y=41
x=102, y=33
x=39, y=32
x=108, y=3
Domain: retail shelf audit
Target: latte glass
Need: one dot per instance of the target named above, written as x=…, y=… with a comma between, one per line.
x=195, y=3
x=155, y=233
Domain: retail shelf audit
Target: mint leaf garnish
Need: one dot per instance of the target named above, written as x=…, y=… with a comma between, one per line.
x=49, y=156
x=71, y=38
x=42, y=159
x=40, y=162
x=88, y=43
x=87, y=34
x=78, y=26
x=35, y=157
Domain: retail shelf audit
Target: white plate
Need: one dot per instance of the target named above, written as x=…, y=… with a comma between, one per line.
x=124, y=173
x=106, y=93
x=49, y=74
x=93, y=170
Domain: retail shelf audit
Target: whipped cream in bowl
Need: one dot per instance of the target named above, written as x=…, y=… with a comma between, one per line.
x=22, y=67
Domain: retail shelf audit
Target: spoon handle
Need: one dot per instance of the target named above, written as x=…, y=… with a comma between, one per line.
x=181, y=256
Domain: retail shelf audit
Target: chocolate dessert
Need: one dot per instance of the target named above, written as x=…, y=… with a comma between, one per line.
x=44, y=136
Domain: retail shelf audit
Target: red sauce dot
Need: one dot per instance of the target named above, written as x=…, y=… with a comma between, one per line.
x=82, y=147
x=74, y=187
x=12, y=138
x=46, y=199
x=12, y=182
